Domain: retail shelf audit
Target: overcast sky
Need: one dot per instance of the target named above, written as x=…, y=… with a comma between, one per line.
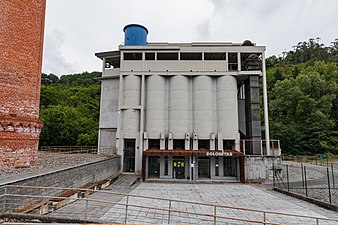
x=76, y=29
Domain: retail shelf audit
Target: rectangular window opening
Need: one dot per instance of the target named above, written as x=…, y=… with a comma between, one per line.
x=154, y=144
x=215, y=56
x=167, y=56
x=204, y=144
x=232, y=62
x=229, y=144
x=251, y=61
x=150, y=55
x=179, y=144
x=132, y=56
x=191, y=56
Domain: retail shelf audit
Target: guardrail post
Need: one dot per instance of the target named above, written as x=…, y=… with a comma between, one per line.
x=305, y=181
x=169, y=212
x=264, y=217
x=215, y=220
x=126, y=215
x=86, y=211
x=273, y=175
x=328, y=183
x=333, y=184
x=317, y=221
x=302, y=175
x=287, y=177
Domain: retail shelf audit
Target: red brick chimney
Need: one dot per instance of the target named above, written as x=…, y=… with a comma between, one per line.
x=21, y=45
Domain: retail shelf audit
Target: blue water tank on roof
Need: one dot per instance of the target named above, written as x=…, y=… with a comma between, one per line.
x=135, y=34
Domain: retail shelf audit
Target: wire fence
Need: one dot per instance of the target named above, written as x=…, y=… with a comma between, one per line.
x=318, y=182
x=136, y=209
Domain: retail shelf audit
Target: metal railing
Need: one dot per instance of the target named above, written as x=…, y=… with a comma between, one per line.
x=311, y=181
x=129, y=209
x=258, y=147
x=16, y=159
x=79, y=149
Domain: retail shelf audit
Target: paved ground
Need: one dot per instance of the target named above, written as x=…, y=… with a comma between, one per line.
x=238, y=195
x=95, y=210
x=229, y=194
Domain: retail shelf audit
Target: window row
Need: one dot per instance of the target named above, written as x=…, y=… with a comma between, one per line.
x=174, y=56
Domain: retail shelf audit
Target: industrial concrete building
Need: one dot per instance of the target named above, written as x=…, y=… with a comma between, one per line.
x=183, y=110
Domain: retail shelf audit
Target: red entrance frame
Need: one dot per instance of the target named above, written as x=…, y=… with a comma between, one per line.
x=157, y=152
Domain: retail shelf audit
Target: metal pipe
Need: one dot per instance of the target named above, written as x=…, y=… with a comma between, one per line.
x=265, y=101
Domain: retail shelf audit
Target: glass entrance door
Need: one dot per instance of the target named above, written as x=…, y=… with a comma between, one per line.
x=203, y=167
x=179, y=167
x=129, y=155
x=154, y=167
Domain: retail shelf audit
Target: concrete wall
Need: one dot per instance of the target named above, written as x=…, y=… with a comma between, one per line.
x=259, y=168
x=72, y=177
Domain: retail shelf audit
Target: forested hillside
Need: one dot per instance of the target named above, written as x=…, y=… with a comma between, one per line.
x=69, y=108
x=302, y=91
x=303, y=98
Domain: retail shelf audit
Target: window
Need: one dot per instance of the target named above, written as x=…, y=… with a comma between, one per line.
x=179, y=144
x=166, y=165
x=132, y=56
x=228, y=144
x=154, y=144
x=232, y=62
x=150, y=55
x=215, y=56
x=167, y=56
x=204, y=144
x=191, y=56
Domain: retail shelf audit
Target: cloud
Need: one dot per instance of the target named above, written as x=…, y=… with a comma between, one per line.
x=53, y=61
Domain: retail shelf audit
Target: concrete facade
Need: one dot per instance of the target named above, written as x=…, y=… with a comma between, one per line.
x=21, y=44
x=182, y=107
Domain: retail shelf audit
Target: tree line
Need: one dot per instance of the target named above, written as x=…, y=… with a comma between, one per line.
x=302, y=92
x=303, y=98
x=69, y=108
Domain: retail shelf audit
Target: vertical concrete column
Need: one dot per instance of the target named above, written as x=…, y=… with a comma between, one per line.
x=252, y=108
x=170, y=166
x=212, y=167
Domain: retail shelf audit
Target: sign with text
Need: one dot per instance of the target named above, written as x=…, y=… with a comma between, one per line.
x=219, y=154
